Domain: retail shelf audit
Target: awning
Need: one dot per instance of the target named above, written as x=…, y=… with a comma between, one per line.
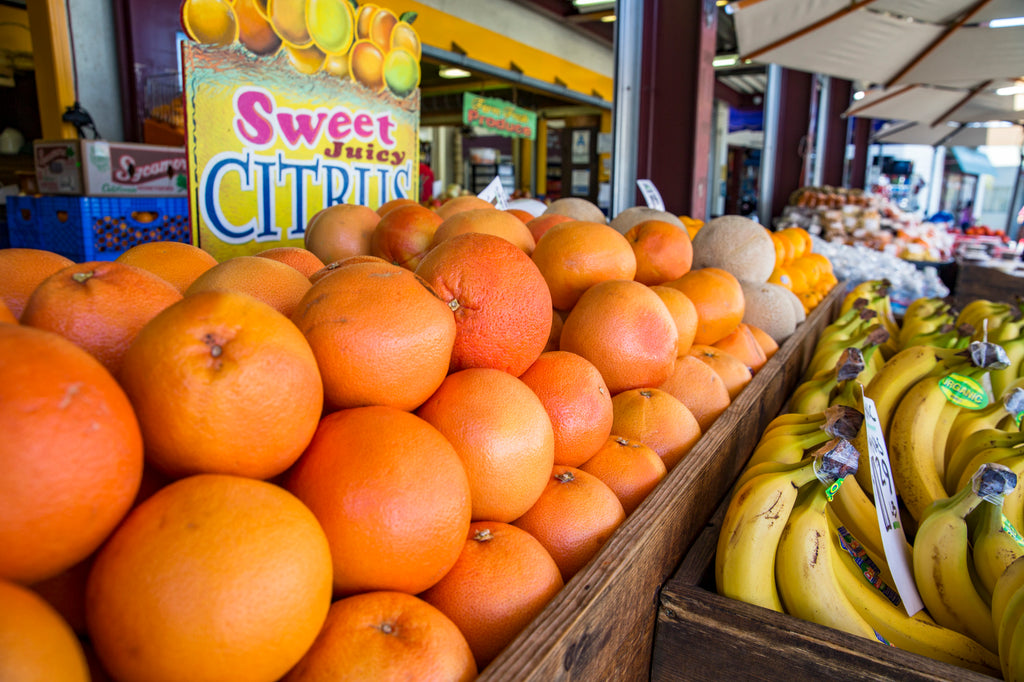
x=972, y=162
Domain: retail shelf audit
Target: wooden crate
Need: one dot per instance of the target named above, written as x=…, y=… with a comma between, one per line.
x=978, y=281
x=601, y=625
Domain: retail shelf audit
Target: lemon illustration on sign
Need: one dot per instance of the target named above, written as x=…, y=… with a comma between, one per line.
x=288, y=17
x=254, y=31
x=330, y=24
x=305, y=59
x=381, y=24
x=336, y=65
x=401, y=72
x=366, y=63
x=363, y=17
x=209, y=22
x=405, y=36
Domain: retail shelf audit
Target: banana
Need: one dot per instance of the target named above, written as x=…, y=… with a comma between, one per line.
x=1005, y=455
x=1008, y=606
x=922, y=307
x=918, y=634
x=794, y=419
x=922, y=326
x=766, y=467
x=753, y=523
x=805, y=569
x=1013, y=502
x=967, y=423
x=921, y=417
x=941, y=559
x=786, y=448
x=979, y=310
x=1013, y=664
x=828, y=352
x=866, y=290
x=1003, y=379
x=995, y=544
x=853, y=510
x=812, y=395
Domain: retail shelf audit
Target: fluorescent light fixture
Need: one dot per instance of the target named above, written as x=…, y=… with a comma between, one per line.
x=607, y=19
x=1006, y=23
x=453, y=72
x=590, y=3
x=1011, y=90
x=858, y=95
x=726, y=60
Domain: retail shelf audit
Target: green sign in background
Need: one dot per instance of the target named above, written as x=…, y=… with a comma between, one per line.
x=498, y=116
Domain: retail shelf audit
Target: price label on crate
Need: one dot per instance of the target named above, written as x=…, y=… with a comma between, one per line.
x=495, y=193
x=651, y=194
x=894, y=541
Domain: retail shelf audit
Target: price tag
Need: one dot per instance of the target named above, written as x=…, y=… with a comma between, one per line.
x=651, y=194
x=495, y=193
x=894, y=541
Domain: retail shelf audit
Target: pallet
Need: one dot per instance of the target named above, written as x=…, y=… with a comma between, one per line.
x=602, y=624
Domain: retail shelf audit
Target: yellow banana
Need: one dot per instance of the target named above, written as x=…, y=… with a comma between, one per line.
x=919, y=633
x=753, y=522
x=968, y=422
x=970, y=446
x=941, y=559
x=853, y=510
x=1007, y=456
x=786, y=448
x=805, y=569
x=1008, y=605
x=1013, y=664
x=1003, y=379
x=922, y=307
x=794, y=419
x=995, y=544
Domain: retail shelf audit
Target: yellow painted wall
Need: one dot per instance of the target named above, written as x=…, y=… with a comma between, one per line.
x=441, y=30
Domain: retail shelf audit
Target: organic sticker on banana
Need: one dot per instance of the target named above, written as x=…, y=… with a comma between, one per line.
x=964, y=391
x=1012, y=532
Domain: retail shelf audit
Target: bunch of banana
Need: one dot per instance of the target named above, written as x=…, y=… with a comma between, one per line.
x=920, y=427
x=876, y=296
x=860, y=331
x=1001, y=414
x=756, y=517
x=835, y=385
x=995, y=543
x=922, y=322
x=789, y=442
x=880, y=606
x=1008, y=617
x=942, y=557
x=987, y=316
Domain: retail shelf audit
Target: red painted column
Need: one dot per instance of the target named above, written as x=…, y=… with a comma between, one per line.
x=835, y=144
x=792, y=142
x=859, y=164
x=676, y=100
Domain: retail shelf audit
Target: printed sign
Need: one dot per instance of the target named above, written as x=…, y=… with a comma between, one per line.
x=964, y=391
x=495, y=193
x=651, y=194
x=288, y=115
x=498, y=116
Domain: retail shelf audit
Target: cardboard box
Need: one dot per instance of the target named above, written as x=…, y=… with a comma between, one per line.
x=113, y=169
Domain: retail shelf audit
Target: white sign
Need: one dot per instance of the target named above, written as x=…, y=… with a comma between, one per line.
x=495, y=193
x=581, y=147
x=894, y=541
x=580, y=182
x=651, y=194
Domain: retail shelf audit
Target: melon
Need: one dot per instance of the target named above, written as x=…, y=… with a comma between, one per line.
x=577, y=209
x=638, y=214
x=769, y=309
x=798, y=306
x=736, y=244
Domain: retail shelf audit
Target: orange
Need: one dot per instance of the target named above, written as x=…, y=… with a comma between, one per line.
x=797, y=278
x=575, y=255
x=213, y=577
x=781, y=277
x=504, y=577
x=767, y=343
x=223, y=383
x=5, y=313
x=303, y=260
x=684, y=314
x=573, y=518
x=624, y=329
x=719, y=300
x=503, y=434
x=657, y=419
x=524, y=216
x=577, y=401
x=501, y=303
x=404, y=235
x=278, y=285
x=385, y=636
x=734, y=372
x=389, y=206
x=340, y=230
x=556, y=331
x=35, y=642
x=742, y=344
x=468, y=202
x=487, y=221
x=663, y=251
x=542, y=223
x=700, y=388
x=784, y=249
x=21, y=271
x=347, y=315
x=176, y=262
x=391, y=494
x=350, y=260
x=71, y=453
x=629, y=468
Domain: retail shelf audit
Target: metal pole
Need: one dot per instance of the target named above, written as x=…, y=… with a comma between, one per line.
x=772, y=102
x=821, y=130
x=629, y=27
x=1012, y=227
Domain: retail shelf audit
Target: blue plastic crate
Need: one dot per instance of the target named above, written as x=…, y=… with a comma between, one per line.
x=102, y=228
x=22, y=225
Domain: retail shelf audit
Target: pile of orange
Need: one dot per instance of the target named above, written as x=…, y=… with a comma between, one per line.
x=807, y=274
x=375, y=452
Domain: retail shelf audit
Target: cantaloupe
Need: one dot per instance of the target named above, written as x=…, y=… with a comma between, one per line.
x=769, y=309
x=798, y=306
x=638, y=214
x=735, y=244
x=577, y=209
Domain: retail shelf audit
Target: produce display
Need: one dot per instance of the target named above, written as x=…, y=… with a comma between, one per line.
x=943, y=392
x=425, y=422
